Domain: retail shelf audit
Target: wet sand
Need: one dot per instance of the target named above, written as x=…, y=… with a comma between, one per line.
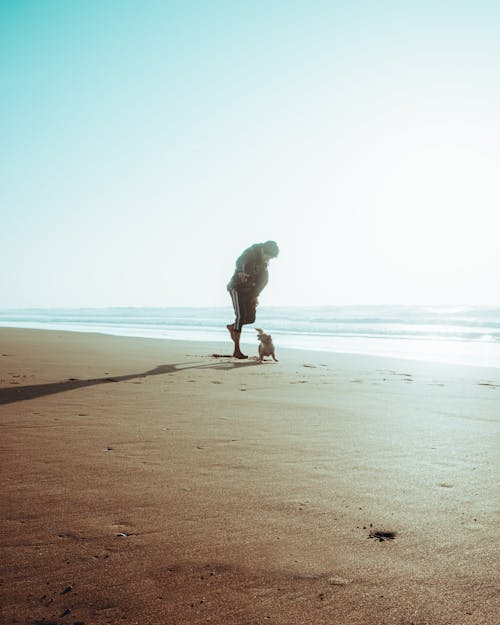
x=146, y=481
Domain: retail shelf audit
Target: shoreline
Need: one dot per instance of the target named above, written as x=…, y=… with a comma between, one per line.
x=247, y=337
x=148, y=482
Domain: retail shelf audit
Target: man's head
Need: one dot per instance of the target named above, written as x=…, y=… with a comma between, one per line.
x=270, y=249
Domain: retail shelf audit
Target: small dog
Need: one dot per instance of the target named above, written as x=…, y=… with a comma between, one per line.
x=266, y=347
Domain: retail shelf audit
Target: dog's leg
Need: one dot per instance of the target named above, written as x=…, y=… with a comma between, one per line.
x=274, y=357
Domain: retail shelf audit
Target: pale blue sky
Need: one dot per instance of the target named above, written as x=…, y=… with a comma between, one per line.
x=146, y=144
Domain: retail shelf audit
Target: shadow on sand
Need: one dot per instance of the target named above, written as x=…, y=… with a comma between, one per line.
x=20, y=393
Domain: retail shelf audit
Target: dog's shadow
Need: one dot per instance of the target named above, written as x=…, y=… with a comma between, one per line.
x=20, y=393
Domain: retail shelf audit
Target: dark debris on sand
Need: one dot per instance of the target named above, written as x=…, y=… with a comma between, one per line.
x=382, y=536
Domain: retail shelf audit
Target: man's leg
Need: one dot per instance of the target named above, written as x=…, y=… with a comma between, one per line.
x=235, y=328
x=237, y=351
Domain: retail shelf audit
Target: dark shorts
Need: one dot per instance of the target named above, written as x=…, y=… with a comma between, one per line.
x=245, y=308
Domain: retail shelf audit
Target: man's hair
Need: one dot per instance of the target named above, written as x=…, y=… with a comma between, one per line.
x=271, y=248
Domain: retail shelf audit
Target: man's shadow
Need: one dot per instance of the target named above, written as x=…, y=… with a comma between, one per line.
x=21, y=393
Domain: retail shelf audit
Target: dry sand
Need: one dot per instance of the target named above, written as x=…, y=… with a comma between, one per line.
x=144, y=481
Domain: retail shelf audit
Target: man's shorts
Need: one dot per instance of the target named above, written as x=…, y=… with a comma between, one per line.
x=245, y=308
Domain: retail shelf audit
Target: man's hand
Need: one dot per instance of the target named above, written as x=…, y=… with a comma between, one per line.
x=243, y=277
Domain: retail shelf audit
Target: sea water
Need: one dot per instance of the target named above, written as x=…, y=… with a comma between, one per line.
x=462, y=335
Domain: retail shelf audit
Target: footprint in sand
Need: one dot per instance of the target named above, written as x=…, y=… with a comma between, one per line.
x=335, y=580
x=71, y=535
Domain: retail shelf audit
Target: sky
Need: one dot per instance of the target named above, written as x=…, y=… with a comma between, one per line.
x=145, y=144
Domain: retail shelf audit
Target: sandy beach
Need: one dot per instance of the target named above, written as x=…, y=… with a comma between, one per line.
x=147, y=481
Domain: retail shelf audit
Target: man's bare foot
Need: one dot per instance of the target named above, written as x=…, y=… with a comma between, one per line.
x=235, y=336
x=240, y=355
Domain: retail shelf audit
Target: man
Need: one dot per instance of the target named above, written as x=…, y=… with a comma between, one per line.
x=248, y=280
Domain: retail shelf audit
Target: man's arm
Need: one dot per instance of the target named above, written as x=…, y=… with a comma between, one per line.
x=245, y=263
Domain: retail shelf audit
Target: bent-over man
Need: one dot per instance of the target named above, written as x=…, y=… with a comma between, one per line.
x=250, y=277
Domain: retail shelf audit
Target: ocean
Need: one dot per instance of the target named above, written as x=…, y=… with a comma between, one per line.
x=460, y=335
